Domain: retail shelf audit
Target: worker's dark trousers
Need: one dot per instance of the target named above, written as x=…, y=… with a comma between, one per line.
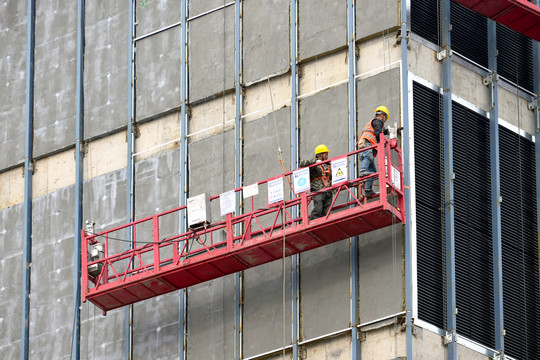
x=321, y=204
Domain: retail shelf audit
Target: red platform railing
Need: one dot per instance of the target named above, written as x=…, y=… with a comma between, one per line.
x=158, y=263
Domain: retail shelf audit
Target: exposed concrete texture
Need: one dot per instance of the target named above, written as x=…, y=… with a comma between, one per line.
x=98, y=161
x=387, y=342
x=375, y=16
x=212, y=117
x=382, y=89
x=322, y=27
x=52, y=268
x=267, y=320
x=104, y=203
x=379, y=266
x=428, y=345
x=265, y=38
x=257, y=100
x=211, y=168
x=11, y=187
x=514, y=110
x=158, y=73
x=324, y=120
x=156, y=191
x=376, y=56
x=261, y=157
x=13, y=84
x=337, y=348
x=324, y=71
x=211, y=319
x=325, y=289
x=159, y=136
x=423, y=62
x=467, y=85
x=53, y=173
x=55, y=75
x=102, y=337
x=153, y=15
x=156, y=327
x=198, y=7
x=211, y=57
x=106, y=62
x=11, y=248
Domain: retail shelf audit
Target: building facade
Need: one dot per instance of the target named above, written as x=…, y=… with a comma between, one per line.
x=114, y=111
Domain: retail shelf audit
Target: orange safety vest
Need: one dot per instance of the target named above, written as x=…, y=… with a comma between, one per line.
x=325, y=175
x=369, y=133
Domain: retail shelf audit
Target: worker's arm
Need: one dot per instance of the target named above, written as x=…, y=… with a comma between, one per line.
x=305, y=163
x=378, y=127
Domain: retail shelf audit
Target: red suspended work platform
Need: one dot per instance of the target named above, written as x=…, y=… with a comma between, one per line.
x=519, y=15
x=159, y=263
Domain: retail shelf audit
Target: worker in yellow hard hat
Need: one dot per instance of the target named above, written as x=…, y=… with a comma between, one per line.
x=321, y=177
x=370, y=136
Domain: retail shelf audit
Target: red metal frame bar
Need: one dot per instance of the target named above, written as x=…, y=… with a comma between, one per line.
x=222, y=251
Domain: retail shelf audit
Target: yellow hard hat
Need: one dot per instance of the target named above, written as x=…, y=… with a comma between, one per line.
x=321, y=149
x=383, y=109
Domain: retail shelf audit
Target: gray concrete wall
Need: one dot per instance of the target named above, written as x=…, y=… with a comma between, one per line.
x=158, y=73
x=156, y=321
x=375, y=16
x=106, y=61
x=13, y=85
x=55, y=75
x=11, y=248
x=51, y=294
x=104, y=202
x=322, y=26
x=211, y=54
x=381, y=89
x=265, y=35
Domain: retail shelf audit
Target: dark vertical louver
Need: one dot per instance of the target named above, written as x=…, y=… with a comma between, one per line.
x=429, y=217
x=520, y=246
x=472, y=224
x=514, y=61
x=469, y=29
x=474, y=266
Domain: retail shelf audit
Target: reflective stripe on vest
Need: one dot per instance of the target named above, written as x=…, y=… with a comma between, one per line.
x=369, y=133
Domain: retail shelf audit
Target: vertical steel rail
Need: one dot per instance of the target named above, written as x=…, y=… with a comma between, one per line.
x=239, y=135
x=183, y=164
x=451, y=308
x=406, y=177
x=295, y=298
x=130, y=169
x=536, y=70
x=353, y=251
x=28, y=173
x=76, y=335
x=495, y=188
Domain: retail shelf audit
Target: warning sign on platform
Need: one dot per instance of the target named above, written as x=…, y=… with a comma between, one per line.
x=339, y=170
x=301, y=180
x=275, y=190
x=227, y=202
x=251, y=190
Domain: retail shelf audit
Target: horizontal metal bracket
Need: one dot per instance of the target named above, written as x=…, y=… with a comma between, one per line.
x=399, y=37
x=532, y=105
x=490, y=79
x=499, y=357
x=450, y=337
x=443, y=54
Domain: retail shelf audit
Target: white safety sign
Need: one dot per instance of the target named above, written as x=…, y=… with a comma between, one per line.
x=339, y=170
x=301, y=180
x=250, y=190
x=275, y=190
x=227, y=202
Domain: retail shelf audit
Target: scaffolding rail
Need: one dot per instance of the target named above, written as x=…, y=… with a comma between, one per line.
x=161, y=261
